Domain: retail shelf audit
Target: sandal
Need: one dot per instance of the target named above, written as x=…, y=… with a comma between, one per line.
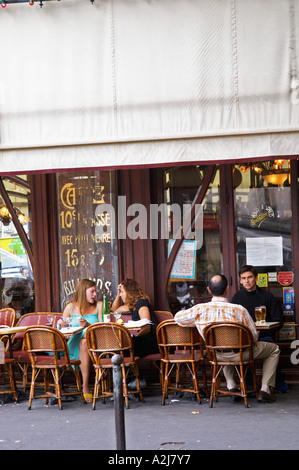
x=88, y=397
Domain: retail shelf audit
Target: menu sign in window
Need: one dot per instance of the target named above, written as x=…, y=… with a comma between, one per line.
x=184, y=266
x=87, y=241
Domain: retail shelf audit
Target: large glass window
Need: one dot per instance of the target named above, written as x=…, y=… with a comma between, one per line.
x=263, y=219
x=17, y=283
x=195, y=261
x=87, y=232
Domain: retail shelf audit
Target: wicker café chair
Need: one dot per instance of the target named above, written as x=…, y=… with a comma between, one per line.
x=19, y=353
x=180, y=348
x=6, y=368
x=228, y=336
x=7, y=317
x=103, y=341
x=41, y=340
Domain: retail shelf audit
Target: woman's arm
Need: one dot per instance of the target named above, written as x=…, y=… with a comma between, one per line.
x=99, y=307
x=144, y=313
x=117, y=301
x=67, y=312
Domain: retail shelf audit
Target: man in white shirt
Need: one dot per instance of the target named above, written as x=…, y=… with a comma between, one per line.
x=220, y=310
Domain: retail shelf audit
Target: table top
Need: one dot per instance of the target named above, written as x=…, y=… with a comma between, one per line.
x=72, y=330
x=9, y=330
x=267, y=325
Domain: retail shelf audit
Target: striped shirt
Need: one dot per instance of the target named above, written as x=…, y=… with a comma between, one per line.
x=218, y=310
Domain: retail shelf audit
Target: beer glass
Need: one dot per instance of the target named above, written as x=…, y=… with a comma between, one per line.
x=258, y=314
x=263, y=319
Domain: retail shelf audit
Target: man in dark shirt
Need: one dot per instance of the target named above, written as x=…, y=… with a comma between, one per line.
x=252, y=296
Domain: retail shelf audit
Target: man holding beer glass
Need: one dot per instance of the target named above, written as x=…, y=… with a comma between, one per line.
x=252, y=296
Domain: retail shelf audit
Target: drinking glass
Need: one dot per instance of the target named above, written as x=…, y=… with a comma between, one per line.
x=69, y=322
x=263, y=319
x=50, y=319
x=258, y=314
x=117, y=315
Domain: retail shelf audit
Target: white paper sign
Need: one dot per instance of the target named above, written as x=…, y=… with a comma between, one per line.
x=264, y=251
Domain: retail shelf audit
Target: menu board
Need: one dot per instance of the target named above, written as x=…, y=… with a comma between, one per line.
x=87, y=240
x=185, y=261
x=264, y=251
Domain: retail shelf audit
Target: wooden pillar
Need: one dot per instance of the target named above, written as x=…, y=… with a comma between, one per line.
x=228, y=228
x=136, y=256
x=44, y=234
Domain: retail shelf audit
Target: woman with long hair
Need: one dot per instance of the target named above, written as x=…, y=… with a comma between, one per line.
x=130, y=297
x=84, y=310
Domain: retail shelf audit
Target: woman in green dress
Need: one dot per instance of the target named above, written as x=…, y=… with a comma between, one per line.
x=84, y=310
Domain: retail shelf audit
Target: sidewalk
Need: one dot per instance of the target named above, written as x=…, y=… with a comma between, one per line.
x=180, y=425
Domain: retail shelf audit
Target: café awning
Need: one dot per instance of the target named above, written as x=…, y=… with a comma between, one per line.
x=124, y=83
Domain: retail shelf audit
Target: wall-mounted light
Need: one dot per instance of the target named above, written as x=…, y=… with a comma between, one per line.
x=257, y=168
x=275, y=173
x=5, y=216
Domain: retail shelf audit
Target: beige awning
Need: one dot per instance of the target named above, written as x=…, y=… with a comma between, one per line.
x=125, y=83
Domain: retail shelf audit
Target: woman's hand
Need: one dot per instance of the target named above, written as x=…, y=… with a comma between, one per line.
x=82, y=322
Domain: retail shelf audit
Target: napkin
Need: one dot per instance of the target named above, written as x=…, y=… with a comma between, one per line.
x=138, y=323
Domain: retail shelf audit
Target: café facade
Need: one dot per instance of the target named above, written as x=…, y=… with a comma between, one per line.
x=115, y=125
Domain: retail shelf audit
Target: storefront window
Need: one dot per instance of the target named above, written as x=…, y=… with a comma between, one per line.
x=87, y=232
x=263, y=219
x=17, y=283
x=196, y=261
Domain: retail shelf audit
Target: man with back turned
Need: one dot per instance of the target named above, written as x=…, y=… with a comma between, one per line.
x=220, y=310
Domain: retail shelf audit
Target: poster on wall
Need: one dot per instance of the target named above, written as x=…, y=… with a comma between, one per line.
x=264, y=251
x=184, y=266
x=88, y=244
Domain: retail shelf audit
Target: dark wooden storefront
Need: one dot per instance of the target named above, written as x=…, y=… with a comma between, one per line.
x=145, y=259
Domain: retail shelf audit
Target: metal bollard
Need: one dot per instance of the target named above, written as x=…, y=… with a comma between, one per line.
x=118, y=403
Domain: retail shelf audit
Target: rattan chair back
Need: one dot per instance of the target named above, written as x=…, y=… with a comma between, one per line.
x=32, y=319
x=227, y=338
x=108, y=338
x=7, y=316
x=48, y=351
x=180, y=347
x=46, y=340
x=172, y=337
x=103, y=341
x=163, y=315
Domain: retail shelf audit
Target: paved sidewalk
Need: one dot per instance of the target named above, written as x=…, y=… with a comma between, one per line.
x=180, y=425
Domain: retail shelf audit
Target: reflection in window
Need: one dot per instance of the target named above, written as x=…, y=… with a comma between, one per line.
x=263, y=219
x=17, y=283
x=194, y=263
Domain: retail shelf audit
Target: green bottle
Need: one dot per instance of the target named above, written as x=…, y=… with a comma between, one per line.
x=105, y=310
